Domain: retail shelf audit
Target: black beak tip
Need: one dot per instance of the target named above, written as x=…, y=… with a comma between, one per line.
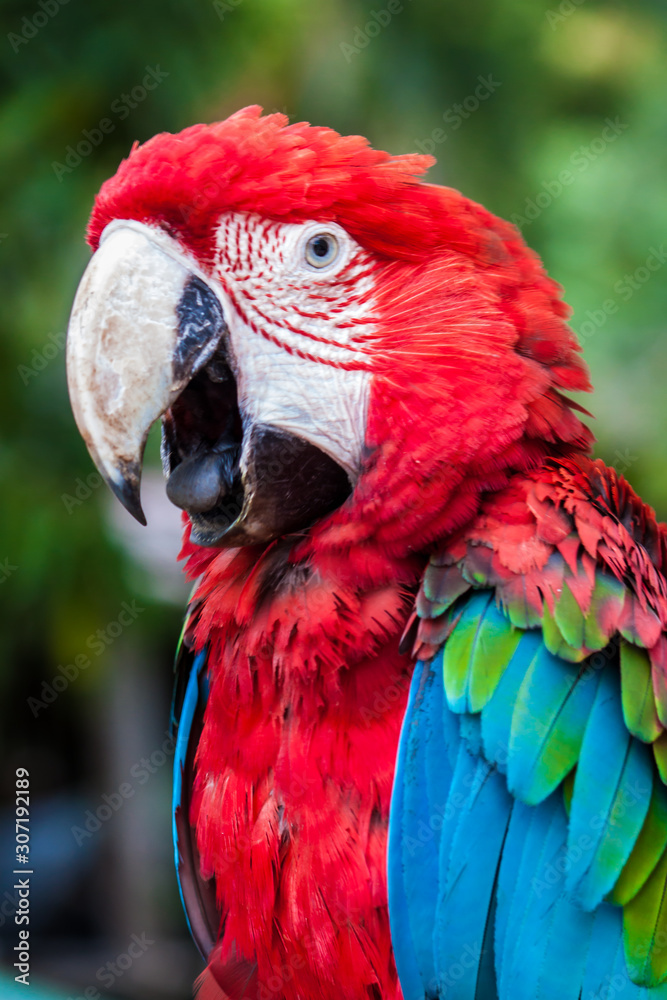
x=126, y=488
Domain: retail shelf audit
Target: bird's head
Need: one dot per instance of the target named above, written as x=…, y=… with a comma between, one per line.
x=326, y=338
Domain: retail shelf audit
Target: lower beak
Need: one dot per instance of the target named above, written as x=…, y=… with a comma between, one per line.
x=147, y=338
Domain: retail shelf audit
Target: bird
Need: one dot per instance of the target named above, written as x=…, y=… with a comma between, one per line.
x=421, y=689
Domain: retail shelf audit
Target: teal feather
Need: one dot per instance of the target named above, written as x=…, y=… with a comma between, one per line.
x=549, y=955
x=508, y=875
x=191, y=692
x=645, y=929
x=548, y=724
x=497, y=714
x=605, y=945
x=462, y=777
x=540, y=836
x=399, y=915
x=470, y=728
x=607, y=974
x=567, y=930
x=612, y=790
x=526, y=952
x=420, y=854
x=442, y=740
x=648, y=848
x=487, y=983
x=469, y=864
x=472, y=867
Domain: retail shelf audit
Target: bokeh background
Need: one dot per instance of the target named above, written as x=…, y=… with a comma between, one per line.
x=553, y=114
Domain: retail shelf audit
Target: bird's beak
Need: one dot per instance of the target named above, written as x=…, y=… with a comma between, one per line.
x=147, y=338
x=143, y=323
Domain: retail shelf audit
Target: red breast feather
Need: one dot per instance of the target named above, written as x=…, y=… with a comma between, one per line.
x=470, y=358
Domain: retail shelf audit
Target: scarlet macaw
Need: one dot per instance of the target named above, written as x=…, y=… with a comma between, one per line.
x=360, y=378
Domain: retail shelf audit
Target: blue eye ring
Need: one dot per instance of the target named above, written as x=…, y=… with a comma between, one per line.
x=321, y=250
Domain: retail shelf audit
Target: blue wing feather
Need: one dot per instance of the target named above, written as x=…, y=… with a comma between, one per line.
x=401, y=932
x=197, y=895
x=420, y=839
x=540, y=838
x=546, y=915
x=612, y=792
x=509, y=874
x=480, y=796
x=548, y=723
x=494, y=892
x=497, y=714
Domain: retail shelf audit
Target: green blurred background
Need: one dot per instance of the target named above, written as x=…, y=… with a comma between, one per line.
x=551, y=114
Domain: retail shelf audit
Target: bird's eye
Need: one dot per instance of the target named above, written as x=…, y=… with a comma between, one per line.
x=321, y=249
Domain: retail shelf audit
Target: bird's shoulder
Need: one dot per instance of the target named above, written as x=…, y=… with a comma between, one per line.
x=569, y=547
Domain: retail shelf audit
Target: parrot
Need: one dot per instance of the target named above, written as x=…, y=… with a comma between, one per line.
x=420, y=698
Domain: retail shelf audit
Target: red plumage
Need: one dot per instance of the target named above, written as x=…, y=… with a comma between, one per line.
x=473, y=453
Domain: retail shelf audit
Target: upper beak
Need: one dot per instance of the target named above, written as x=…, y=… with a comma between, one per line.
x=144, y=321
x=148, y=338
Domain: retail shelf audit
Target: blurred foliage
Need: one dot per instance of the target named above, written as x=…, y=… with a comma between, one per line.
x=560, y=71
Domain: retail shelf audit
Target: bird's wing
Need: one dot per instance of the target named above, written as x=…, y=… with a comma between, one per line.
x=528, y=827
x=189, y=702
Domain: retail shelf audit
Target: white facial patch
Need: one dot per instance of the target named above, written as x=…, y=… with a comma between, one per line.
x=298, y=299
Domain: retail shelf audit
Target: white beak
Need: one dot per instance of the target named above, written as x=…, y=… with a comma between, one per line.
x=144, y=321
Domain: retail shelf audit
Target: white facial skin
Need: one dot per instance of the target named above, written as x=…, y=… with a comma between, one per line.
x=298, y=301
x=300, y=328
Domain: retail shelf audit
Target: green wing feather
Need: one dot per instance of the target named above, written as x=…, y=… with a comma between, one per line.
x=645, y=929
x=647, y=851
x=639, y=710
x=540, y=718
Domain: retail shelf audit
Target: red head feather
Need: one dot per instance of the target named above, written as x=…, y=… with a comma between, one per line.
x=469, y=354
x=472, y=347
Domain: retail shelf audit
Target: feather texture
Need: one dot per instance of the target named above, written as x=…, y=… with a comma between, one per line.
x=612, y=790
x=476, y=505
x=548, y=722
x=565, y=716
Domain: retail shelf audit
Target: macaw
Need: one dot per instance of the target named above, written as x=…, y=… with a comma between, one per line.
x=421, y=690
